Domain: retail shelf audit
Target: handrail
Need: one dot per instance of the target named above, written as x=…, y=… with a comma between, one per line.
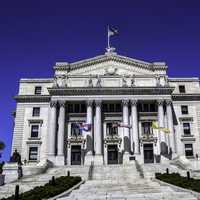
x=90, y=172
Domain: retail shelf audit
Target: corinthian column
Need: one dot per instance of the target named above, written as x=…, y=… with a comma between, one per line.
x=98, y=132
x=126, y=130
x=135, y=132
x=171, y=125
x=98, y=158
x=89, y=136
x=52, y=131
x=161, y=124
x=61, y=132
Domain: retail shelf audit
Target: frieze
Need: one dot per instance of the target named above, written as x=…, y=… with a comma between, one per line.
x=32, y=98
x=77, y=91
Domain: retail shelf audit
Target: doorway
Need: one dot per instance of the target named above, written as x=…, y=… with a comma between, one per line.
x=148, y=153
x=112, y=154
x=76, y=155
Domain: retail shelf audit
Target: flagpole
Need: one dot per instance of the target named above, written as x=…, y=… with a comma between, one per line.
x=108, y=37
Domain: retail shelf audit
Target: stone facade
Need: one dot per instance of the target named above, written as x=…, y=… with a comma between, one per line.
x=119, y=98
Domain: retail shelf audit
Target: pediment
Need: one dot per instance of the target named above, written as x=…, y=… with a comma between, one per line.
x=112, y=65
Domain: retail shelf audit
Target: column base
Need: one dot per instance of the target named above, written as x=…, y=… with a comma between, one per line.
x=126, y=158
x=52, y=159
x=98, y=160
x=60, y=160
x=88, y=158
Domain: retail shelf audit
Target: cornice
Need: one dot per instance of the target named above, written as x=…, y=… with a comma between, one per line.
x=186, y=97
x=83, y=91
x=32, y=98
x=116, y=58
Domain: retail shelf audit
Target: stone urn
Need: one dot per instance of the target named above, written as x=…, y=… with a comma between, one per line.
x=2, y=179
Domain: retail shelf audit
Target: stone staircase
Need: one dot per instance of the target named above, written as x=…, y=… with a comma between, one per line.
x=121, y=182
x=30, y=182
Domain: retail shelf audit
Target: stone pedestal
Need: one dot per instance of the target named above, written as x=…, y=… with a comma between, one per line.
x=60, y=161
x=126, y=158
x=10, y=170
x=88, y=159
x=98, y=160
x=2, y=179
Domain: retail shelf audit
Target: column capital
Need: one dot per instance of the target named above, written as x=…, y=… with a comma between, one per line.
x=134, y=102
x=61, y=103
x=168, y=102
x=160, y=102
x=98, y=102
x=53, y=104
x=89, y=102
x=125, y=102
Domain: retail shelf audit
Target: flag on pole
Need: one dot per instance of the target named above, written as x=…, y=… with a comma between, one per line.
x=112, y=31
x=83, y=126
x=118, y=124
x=156, y=126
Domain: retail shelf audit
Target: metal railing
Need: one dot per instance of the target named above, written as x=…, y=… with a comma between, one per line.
x=90, y=172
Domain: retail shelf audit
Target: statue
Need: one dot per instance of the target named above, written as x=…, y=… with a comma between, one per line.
x=64, y=81
x=98, y=82
x=124, y=83
x=55, y=82
x=90, y=84
x=157, y=80
x=16, y=157
x=133, y=82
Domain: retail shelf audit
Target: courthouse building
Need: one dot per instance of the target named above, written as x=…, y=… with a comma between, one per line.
x=101, y=109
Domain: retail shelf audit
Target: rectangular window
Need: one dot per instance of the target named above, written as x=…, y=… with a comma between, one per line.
x=111, y=129
x=146, y=128
x=186, y=129
x=75, y=130
x=118, y=107
x=184, y=110
x=34, y=131
x=38, y=90
x=36, y=112
x=182, y=88
x=188, y=150
x=33, y=153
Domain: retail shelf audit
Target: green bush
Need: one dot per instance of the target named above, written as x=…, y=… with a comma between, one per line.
x=176, y=179
x=50, y=189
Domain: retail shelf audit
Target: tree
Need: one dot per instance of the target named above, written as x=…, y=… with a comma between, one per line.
x=2, y=146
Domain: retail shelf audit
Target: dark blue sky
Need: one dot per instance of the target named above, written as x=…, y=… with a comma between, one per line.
x=35, y=34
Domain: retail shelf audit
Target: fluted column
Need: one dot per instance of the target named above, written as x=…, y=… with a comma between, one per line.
x=98, y=133
x=135, y=132
x=52, y=129
x=89, y=136
x=171, y=125
x=126, y=122
x=161, y=124
x=61, y=128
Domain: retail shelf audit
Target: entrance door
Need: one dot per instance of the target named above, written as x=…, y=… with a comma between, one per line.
x=148, y=153
x=76, y=155
x=112, y=154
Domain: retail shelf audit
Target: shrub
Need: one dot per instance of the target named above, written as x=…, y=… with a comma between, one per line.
x=50, y=189
x=176, y=179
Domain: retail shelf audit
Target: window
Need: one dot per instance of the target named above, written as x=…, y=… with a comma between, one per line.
x=33, y=153
x=147, y=107
x=146, y=128
x=186, y=128
x=76, y=108
x=184, y=110
x=111, y=129
x=182, y=88
x=36, y=112
x=34, y=131
x=38, y=90
x=188, y=150
x=75, y=130
x=112, y=107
